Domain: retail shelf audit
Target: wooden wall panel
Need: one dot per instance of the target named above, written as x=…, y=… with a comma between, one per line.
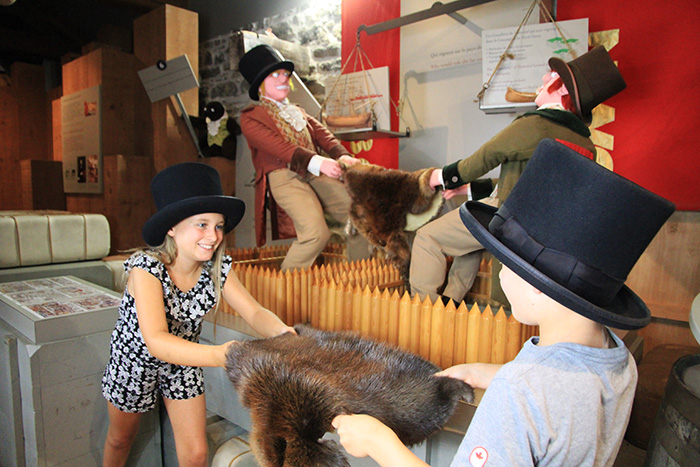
x=667, y=276
x=10, y=191
x=127, y=199
x=42, y=185
x=23, y=128
x=163, y=34
x=125, y=105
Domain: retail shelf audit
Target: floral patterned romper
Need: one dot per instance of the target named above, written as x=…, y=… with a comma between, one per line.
x=133, y=377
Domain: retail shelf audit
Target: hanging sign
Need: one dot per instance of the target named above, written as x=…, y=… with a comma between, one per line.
x=531, y=50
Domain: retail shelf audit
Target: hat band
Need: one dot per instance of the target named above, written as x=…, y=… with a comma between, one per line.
x=585, y=281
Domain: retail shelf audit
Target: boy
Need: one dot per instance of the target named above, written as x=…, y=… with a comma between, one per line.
x=568, y=235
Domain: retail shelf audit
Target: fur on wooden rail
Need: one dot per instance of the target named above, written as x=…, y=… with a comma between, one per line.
x=295, y=385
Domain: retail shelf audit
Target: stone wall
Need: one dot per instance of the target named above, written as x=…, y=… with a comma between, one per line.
x=317, y=28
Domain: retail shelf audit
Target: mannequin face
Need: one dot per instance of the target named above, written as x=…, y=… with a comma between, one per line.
x=277, y=85
x=545, y=95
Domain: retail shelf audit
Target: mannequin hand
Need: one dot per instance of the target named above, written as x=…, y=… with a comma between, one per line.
x=477, y=375
x=460, y=190
x=331, y=168
x=348, y=160
x=435, y=179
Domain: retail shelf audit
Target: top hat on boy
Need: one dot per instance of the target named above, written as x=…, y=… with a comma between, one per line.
x=590, y=79
x=574, y=229
x=186, y=189
x=258, y=63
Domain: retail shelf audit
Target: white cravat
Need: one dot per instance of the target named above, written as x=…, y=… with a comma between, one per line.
x=290, y=113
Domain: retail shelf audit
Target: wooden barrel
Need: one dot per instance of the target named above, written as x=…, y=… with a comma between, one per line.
x=675, y=439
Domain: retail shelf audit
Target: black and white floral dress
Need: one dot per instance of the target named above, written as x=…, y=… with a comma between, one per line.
x=133, y=377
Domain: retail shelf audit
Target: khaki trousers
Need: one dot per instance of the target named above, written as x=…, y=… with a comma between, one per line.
x=445, y=236
x=306, y=202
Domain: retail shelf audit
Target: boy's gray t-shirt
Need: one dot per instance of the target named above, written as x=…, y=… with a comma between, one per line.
x=563, y=404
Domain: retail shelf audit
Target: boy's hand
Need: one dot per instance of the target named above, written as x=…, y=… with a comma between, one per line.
x=477, y=375
x=359, y=434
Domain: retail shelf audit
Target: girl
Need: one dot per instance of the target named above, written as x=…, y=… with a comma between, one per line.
x=170, y=287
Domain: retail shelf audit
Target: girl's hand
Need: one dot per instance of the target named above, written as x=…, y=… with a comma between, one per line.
x=477, y=375
x=223, y=350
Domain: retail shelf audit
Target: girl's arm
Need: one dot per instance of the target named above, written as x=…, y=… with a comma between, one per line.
x=363, y=435
x=260, y=319
x=150, y=309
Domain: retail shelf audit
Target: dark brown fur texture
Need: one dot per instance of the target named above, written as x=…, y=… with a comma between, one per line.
x=380, y=200
x=295, y=385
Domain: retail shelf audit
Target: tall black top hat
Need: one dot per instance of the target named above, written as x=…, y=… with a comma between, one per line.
x=258, y=63
x=590, y=79
x=574, y=230
x=186, y=189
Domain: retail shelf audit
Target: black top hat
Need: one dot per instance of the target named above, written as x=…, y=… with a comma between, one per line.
x=590, y=79
x=186, y=189
x=574, y=230
x=258, y=63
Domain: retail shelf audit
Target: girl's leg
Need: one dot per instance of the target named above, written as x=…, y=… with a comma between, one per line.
x=123, y=427
x=188, y=419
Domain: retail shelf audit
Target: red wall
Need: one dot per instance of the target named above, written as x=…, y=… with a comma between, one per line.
x=382, y=49
x=657, y=117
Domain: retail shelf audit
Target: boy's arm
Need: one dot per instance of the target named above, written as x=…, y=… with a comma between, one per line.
x=477, y=375
x=363, y=435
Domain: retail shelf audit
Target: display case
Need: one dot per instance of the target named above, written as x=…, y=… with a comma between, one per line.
x=55, y=340
x=54, y=308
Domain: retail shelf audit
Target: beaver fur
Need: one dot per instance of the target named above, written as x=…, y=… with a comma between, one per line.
x=295, y=385
x=380, y=198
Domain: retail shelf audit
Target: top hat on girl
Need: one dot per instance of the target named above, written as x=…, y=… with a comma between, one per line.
x=186, y=189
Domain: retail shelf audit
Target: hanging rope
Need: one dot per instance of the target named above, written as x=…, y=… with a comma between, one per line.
x=506, y=54
x=360, y=56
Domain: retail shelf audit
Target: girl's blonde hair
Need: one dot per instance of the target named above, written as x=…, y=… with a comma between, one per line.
x=166, y=252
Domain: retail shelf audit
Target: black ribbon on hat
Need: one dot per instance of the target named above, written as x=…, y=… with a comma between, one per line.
x=585, y=281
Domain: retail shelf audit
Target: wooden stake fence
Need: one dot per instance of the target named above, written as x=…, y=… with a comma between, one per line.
x=368, y=297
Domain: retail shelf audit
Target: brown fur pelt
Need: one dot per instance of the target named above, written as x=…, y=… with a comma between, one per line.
x=380, y=199
x=295, y=385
